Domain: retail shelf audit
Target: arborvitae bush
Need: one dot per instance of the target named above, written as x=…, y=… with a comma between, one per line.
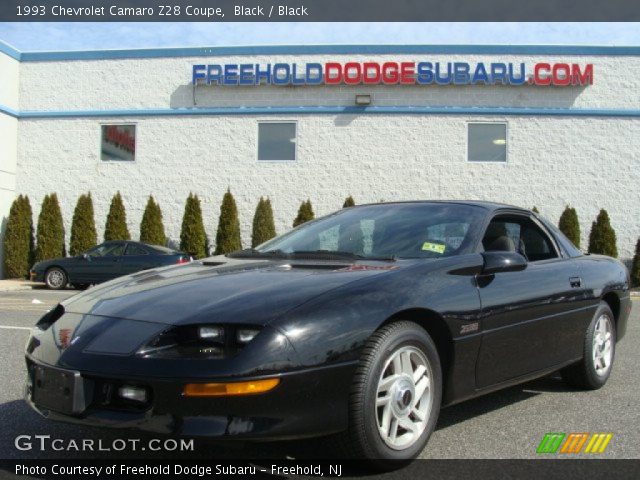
x=116, y=227
x=50, y=234
x=18, y=239
x=635, y=267
x=602, y=238
x=348, y=202
x=570, y=226
x=193, y=239
x=83, y=227
x=305, y=213
x=151, y=227
x=263, y=225
x=228, y=234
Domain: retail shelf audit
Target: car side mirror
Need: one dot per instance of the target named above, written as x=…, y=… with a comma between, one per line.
x=496, y=262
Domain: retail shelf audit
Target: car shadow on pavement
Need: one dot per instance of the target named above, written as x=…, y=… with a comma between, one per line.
x=501, y=398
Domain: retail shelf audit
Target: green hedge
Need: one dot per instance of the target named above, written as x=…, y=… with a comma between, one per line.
x=50, y=233
x=116, y=226
x=602, y=239
x=305, y=213
x=635, y=267
x=570, y=226
x=193, y=239
x=228, y=234
x=83, y=226
x=263, y=225
x=18, y=239
x=348, y=202
x=151, y=227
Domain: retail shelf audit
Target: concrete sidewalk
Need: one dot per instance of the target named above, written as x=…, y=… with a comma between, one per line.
x=14, y=285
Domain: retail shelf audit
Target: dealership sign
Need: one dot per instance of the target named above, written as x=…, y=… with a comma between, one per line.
x=394, y=73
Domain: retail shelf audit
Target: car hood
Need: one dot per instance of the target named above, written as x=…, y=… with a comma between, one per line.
x=219, y=289
x=61, y=261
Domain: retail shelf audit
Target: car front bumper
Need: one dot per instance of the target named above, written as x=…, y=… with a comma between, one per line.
x=306, y=403
x=36, y=276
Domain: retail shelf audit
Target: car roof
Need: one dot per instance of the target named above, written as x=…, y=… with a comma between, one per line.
x=491, y=206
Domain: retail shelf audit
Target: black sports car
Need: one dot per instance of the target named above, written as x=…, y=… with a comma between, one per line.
x=362, y=323
x=104, y=262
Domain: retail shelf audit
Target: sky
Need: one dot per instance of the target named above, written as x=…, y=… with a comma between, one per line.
x=84, y=36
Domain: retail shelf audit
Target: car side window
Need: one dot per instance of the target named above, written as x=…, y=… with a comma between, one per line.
x=135, y=250
x=116, y=251
x=108, y=250
x=521, y=235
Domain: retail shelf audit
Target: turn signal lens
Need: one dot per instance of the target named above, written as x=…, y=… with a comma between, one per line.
x=228, y=389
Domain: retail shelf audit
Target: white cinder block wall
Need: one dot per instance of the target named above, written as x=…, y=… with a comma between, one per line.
x=9, y=79
x=589, y=162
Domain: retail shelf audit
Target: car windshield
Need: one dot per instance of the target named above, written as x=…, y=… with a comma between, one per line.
x=383, y=231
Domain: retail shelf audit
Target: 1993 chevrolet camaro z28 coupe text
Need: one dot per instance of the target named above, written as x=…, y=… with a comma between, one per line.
x=362, y=323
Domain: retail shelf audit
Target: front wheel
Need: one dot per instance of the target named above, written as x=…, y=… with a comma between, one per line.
x=55, y=278
x=593, y=371
x=396, y=396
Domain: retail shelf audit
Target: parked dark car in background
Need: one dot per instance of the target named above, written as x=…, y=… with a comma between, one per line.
x=360, y=324
x=104, y=262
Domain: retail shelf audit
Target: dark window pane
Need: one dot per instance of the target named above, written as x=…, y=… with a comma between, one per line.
x=487, y=142
x=276, y=141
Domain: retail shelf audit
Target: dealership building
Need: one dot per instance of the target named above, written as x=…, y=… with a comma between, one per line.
x=544, y=126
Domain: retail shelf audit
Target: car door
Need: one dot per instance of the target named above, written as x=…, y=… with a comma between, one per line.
x=104, y=262
x=531, y=319
x=136, y=257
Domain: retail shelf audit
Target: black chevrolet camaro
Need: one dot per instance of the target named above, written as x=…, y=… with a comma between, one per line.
x=361, y=324
x=104, y=262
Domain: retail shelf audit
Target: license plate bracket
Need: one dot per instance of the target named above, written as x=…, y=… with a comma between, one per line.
x=58, y=390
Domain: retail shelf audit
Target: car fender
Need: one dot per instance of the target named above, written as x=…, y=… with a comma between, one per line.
x=334, y=326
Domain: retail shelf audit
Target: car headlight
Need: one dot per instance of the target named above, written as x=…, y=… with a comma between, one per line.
x=211, y=333
x=199, y=341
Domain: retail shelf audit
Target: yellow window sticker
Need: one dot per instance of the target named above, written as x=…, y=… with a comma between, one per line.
x=434, y=247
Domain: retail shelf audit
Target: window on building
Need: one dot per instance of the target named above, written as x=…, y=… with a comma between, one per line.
x=277, y=141
x=487, y=142
x=118, y=142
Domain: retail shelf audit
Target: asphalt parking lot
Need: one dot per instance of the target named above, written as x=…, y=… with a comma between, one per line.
x=505, y=424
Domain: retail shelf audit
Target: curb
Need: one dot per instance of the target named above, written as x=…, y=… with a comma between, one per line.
x=17, y=285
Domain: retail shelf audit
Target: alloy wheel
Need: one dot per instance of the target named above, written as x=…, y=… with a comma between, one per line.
x=55, y=279
x=404, y=397
x=601, y=351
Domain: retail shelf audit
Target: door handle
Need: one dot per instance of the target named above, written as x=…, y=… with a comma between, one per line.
x=575, y=282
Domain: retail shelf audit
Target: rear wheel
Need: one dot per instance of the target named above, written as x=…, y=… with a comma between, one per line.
x=593, y=371
x=395, y=400
x=55, y=278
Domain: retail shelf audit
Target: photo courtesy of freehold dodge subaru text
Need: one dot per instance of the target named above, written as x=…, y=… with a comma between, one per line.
x=369, y=240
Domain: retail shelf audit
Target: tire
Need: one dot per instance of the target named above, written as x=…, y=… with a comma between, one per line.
x=56, y=278
x=383, y=373
x=593, y=371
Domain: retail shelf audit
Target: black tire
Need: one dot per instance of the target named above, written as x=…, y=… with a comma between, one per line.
x=363, y=439
x=583, y=374
x=56, y=278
